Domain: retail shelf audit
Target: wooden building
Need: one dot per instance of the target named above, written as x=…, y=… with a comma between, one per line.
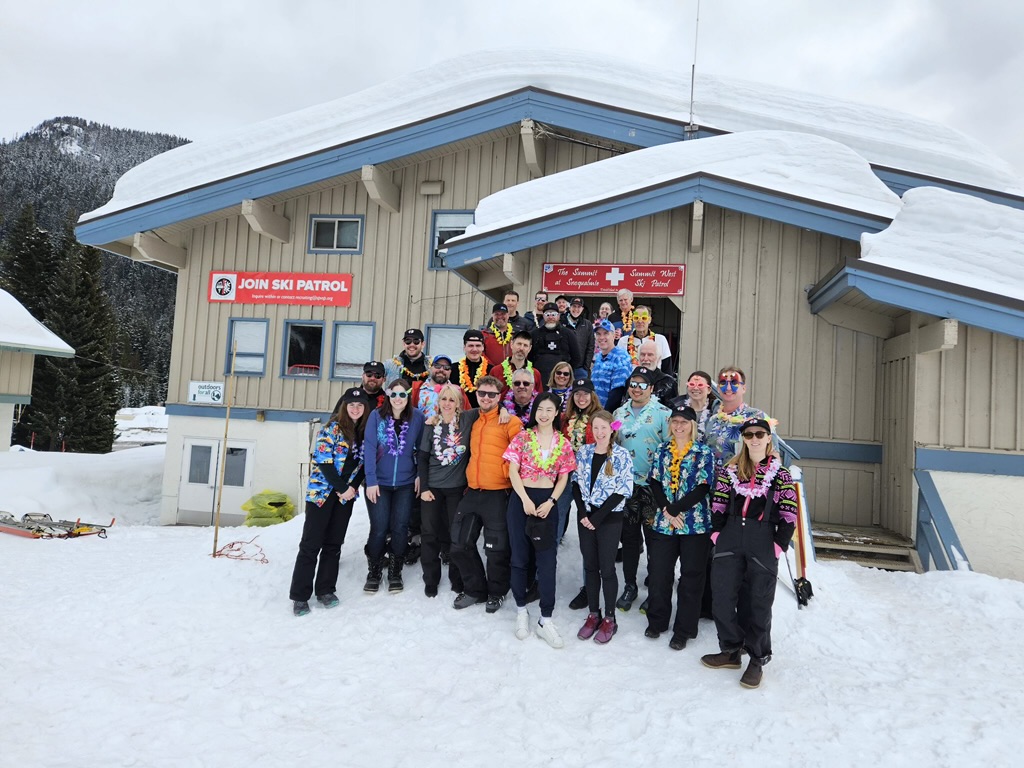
x=310, y=242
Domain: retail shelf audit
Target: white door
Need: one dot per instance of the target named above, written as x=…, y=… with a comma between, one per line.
x=200, y=474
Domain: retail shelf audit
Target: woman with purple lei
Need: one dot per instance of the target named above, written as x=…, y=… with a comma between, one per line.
x=392, y=435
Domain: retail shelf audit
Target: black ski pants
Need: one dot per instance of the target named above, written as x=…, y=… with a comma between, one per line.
x=632, y=531
x=482, y=511
x=663, y=551
x=323, y=533
x=743, y=586
x=598, y=548
x=437, y=517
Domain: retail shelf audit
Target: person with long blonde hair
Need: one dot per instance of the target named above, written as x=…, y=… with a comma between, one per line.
x=601, y=485
x=753, y=516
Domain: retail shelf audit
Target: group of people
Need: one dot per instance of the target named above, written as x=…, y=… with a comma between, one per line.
x=498, y=443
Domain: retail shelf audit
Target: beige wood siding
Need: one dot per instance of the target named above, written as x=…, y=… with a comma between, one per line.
x=392, y=285
x=897, y=406
x=972, y=396
x=16, y=372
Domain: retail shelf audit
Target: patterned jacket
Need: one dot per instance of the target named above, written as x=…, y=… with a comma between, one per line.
x=696, y=468
x=621, y=481
x=779, y=503
x=330, y=447
x=642, y=435
x=610, y=371
x=722, y=431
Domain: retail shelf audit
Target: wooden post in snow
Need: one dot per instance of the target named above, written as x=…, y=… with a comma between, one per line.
x=224, y=446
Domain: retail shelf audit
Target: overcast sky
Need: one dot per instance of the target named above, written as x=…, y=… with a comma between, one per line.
x=198, y=68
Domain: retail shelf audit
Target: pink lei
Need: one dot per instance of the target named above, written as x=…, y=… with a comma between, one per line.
x=758, y=489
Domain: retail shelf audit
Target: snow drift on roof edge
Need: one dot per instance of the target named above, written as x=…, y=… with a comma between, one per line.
x=19, y=329
x=797, y=164
x=885, y=137
x=956, y=238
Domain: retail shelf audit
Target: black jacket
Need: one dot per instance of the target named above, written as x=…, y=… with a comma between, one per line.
x=552, y=346
x=584, y=331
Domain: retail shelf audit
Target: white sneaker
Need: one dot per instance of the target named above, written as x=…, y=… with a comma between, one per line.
x=522, y=625
x=548, y=632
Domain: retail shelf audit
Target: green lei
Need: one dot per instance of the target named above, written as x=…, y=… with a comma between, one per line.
x=538, y=459
x=507, y=371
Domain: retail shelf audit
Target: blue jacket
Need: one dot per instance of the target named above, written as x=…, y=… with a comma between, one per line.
x=381, y=467
x=621, y=482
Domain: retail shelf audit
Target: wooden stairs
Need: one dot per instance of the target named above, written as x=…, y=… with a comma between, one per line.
x=868, y=546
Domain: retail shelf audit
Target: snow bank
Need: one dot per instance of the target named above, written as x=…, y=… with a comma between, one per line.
x=796, y=164
x=956, y=238
x=885, y=137
x=140, y=426
x=95, y=488
x=23, y=333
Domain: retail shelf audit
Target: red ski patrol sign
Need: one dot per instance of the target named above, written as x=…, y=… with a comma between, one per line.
x=280, y=288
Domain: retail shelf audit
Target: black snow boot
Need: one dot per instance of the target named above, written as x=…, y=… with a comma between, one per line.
x=374, y=574
x=395, y=574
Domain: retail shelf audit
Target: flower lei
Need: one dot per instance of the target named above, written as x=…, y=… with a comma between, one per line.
x=634, y=348
x=406, y=373
x=502, y=337
x=759, y=489
x=395, y=447
x=627, y=320
x=736, y=419
x=467, y=384
x=578, y=431
x=509, y=404
x=507, y=371
x=452, y=451
x=678, y=454
x=538, y=457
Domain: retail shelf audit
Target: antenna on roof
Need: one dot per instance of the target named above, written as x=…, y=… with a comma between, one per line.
x=691, y=129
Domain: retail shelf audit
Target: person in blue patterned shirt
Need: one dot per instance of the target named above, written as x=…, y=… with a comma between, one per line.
x=336, y=470
x=611, y=367
x=722, y=429
x=680, y=528
x=644, y=429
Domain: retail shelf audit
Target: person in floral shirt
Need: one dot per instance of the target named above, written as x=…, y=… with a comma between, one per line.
x=644, y=429
x=336, y=470
x=680, y=528
x=722, y=429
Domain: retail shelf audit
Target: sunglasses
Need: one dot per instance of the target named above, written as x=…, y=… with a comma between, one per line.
x=562, y=373
x=522, y=384
x=759, y=434
x=399, y=393
x=641, y=316
x=443, y=367
x=413, y=341
x=732, y=383
x=373, y=375
x=641, y=385
x=484, y=393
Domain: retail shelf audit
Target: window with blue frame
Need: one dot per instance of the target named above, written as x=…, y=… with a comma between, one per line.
x=353, y=347
x=303, y=349
x=250, y=335
x=446, y=225
x=335, y=234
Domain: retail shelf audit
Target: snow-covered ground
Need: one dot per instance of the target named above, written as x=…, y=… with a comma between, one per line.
x=143, y=650
x=140, y=426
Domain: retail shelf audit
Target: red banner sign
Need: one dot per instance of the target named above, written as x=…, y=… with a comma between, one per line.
x=280, y=288
x=603, y=279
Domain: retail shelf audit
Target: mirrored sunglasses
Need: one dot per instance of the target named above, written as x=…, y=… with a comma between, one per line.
x=641, y=385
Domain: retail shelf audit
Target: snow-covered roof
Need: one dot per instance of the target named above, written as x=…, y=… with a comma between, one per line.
x=20, y=332
x=955, y=238
x=796, y=164
x=884, y=137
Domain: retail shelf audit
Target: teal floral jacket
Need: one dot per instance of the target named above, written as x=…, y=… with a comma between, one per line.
x=641, y=435
x=696, y=468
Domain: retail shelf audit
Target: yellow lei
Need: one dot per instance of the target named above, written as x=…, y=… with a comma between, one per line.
x=678, y=454
x=502, y=338
x=627, y=320
x=464, y=380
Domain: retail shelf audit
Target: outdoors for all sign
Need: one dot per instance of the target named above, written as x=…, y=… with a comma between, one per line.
x=280, y=288
x=206, y=392
x=603, y=279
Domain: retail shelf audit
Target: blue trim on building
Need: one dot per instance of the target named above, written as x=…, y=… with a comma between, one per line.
x=284, y=351
x=937, y=539
x=900, y=181
x=921, y=295
x=334, y=348
x=971, y=462
x=314, y=217
x=244, y=414
x=800, y=212
x=16, y=399
x=827, y=450
x=231, y=336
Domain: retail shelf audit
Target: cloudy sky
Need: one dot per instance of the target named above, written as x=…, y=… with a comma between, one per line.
x=198, y=68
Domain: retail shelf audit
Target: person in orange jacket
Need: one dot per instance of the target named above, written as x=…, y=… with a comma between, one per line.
x=484, y=506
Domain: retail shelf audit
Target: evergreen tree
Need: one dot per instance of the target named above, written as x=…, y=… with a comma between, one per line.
x=97, y=379
x=27, y=269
